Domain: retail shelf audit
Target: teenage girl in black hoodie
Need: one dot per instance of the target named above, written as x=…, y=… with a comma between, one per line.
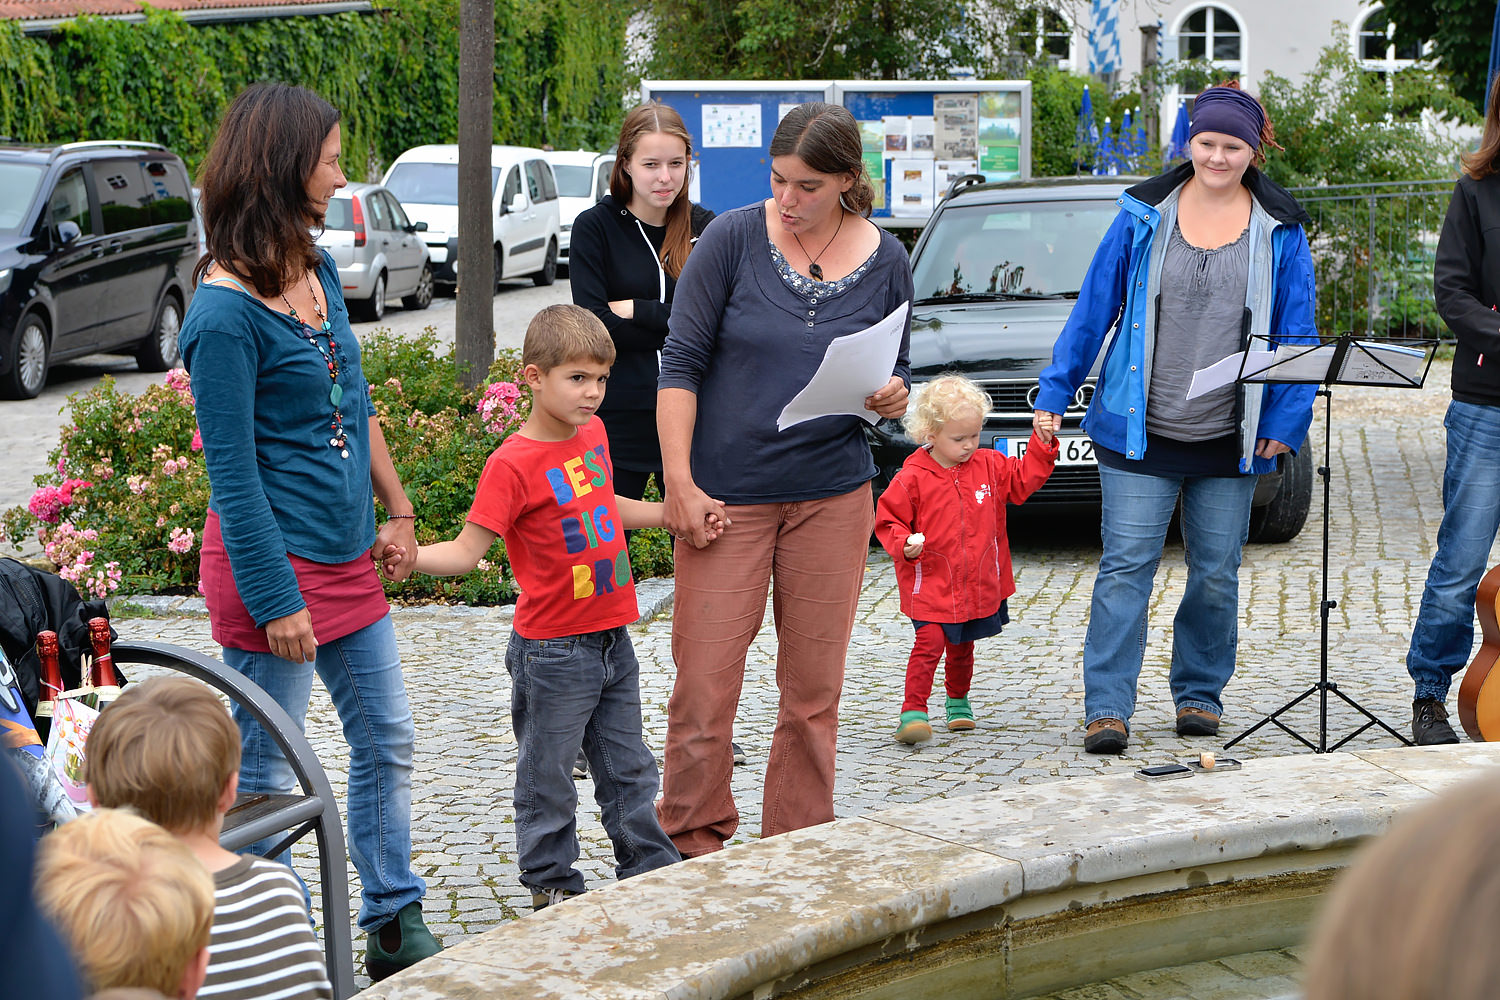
x=623, y=262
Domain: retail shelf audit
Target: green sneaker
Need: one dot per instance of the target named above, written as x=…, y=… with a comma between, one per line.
x=960, y=715
x=400, y=943
x=914, y=727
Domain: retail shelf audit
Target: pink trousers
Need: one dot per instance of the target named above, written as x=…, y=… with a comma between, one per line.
x=926, y=650
x=812, y=556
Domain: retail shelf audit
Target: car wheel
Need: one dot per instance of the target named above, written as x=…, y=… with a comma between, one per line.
x=421, y=298
x=28, y=371
x=373, y=308
x=548, y=274
x=499, y=267
x=159, y=351
x=1282, y=519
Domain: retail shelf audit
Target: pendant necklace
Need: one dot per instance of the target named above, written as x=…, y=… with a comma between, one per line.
x=812, y=262
x=331, y=358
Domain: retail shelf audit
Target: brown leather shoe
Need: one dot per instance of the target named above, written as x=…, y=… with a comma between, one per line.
x=1196, y=722
x=1105, y=736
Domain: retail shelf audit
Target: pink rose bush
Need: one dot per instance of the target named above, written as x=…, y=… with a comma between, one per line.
x=499, y=407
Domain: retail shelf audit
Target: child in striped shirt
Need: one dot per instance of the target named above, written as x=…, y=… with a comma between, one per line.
x=168, y=749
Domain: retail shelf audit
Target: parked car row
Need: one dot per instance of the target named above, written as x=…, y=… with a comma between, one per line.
x=98, y=241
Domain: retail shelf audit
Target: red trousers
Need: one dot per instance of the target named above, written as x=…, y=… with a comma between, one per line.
x=926, y=651
x=811, y=555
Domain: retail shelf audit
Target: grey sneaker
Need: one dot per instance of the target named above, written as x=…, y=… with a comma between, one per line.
x=1429, y=723
x=580, y=767
x=737, y=751
x=543, y=898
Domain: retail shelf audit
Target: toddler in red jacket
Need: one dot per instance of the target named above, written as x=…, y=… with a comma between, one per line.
x=942, y=519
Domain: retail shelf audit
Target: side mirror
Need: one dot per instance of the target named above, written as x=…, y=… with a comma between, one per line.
x=68, y=231
x=417, y=227
x=517, y=204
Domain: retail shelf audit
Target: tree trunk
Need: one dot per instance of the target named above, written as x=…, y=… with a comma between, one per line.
x=474, y=339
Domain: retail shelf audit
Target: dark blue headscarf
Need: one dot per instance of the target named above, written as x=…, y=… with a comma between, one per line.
x=1230, y=111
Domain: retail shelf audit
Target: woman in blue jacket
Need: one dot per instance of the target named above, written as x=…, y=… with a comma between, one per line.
x=1199, y=260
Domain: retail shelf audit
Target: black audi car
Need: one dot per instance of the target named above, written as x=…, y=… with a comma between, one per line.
x=997, y=271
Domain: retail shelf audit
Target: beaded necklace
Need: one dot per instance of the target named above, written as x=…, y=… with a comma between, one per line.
x=330, y=358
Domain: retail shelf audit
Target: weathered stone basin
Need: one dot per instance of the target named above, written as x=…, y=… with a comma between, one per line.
x=996, y=895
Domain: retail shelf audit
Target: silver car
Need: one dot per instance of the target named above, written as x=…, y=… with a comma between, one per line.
x=377, y=250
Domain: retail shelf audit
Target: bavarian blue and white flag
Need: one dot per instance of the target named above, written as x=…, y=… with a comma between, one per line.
x=1104, y=37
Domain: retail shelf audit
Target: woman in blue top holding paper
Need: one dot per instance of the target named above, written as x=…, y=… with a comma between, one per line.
x=1199, y=260
x=767, y=289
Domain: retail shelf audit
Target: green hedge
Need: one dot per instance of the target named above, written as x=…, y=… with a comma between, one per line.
x=559, y=76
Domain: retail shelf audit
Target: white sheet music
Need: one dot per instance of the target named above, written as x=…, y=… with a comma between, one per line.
x=853, y=367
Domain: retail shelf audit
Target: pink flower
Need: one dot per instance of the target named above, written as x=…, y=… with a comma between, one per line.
x=48, y=502
x=197, y=444
x=136, y=484
x=181, y=541
x=497, y=406
x=179, y=382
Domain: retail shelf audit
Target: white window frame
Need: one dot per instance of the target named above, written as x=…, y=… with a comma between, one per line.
x=1241, y=66
x=1069, y=28
x=1390, y=63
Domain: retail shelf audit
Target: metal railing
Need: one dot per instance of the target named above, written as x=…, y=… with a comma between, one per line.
x=1373, y=247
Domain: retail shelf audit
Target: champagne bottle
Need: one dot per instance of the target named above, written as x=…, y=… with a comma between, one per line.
x=106, y=683
x=19, y=741
x=51, y=673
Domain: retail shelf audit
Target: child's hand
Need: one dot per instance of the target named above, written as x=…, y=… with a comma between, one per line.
x=913, y=548
x=1046, y=425
x=714, y=525
x=391, y=557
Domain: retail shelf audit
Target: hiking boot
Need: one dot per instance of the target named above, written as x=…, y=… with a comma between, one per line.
x=736, y=752
x=580, y=767
x=1429, y=723
x=543, y=898
x=1196, y=722
x=960, y=715
x=1105, y=736
x=399, y=943
x=914, y=727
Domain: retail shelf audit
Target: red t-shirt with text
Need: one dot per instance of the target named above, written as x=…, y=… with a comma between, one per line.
x=554, y=504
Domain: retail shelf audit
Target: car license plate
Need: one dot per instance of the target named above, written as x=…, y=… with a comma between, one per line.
x=1075, y=450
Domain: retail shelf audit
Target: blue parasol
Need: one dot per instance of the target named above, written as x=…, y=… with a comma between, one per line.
x=1177, y=149
x=1087, y=139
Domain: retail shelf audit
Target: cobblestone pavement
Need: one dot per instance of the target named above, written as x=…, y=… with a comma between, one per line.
x=1028, y=689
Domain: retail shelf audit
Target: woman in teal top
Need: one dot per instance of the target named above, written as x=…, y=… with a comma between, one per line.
x=295, y=459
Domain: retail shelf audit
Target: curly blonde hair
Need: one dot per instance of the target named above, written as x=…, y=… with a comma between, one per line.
x=935, y=403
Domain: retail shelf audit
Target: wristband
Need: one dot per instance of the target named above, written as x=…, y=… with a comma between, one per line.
x=397, y=517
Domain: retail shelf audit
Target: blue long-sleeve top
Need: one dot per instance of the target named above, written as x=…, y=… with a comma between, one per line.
x=262, y=396
x=746, y=343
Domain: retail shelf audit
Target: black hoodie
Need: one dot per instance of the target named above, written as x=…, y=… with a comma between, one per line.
x=613, y=256
x=1466, y=285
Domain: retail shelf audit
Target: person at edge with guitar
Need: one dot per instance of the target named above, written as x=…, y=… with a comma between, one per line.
x=1466, y=283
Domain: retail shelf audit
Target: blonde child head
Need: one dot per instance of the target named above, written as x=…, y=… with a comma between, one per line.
x=166, y=748
x=131, y=900
x=946, y=398
x=562, y=333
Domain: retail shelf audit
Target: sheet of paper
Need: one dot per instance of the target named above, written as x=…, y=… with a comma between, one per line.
x=1287, y=363
x=923, y=142
x=949, y=171
x=1226, y=370
x=956, y=126
x=1373, y=362
x=731, y=125
x=897, y=134
x=853, y=367
x=912, y=187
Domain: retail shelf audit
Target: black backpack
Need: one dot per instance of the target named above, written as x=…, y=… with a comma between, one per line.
x=32, y=600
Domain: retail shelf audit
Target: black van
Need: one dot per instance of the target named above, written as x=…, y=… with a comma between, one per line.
x=97, y=246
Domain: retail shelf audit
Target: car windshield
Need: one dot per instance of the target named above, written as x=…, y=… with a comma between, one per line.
x=429, y=183
x=1017, y=250
x=574, y=182
x=18, y=183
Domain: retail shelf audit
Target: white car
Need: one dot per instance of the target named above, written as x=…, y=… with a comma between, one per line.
x=582, y=179
x=379, y=252
x=526, y=226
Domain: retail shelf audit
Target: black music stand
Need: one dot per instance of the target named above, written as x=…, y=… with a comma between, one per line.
x=1344, y=360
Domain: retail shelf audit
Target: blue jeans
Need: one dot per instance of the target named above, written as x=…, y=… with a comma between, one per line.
x=1444, y=633
x=1215, y=523
x=581, y=690
x=362, y=672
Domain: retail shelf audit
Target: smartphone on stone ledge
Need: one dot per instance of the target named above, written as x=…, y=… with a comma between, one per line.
x=1161, y=772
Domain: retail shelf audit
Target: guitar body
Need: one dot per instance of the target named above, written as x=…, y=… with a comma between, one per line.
x=1479, y=695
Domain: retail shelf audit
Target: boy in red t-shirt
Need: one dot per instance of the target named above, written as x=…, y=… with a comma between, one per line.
x=548, y=491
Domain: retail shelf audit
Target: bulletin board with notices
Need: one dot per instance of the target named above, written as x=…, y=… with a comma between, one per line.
x=918, y=135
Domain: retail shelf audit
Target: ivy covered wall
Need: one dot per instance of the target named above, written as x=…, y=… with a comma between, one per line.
x=560, y=76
